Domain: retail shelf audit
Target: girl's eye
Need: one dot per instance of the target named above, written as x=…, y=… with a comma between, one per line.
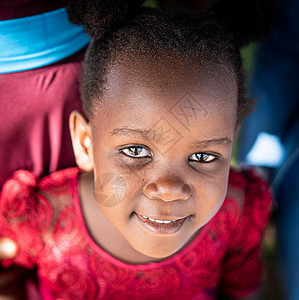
x=136, y=151
x=203, y=157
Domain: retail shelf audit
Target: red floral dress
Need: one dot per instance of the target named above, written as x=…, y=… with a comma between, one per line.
x=45, y=219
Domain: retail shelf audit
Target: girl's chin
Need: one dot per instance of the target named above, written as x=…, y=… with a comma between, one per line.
x=154, y=249
x=154, y=256
x=156, y=242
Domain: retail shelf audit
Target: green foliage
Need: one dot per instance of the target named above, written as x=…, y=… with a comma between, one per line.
x=248, y=57
x=150, y=3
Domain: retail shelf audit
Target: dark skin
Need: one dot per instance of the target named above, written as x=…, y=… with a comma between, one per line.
x=185, y=181
x=160, y=183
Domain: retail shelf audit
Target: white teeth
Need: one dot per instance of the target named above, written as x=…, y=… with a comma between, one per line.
x=158, y=221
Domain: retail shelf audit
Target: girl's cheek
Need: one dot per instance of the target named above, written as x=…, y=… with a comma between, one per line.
x=210, y=193
x=110, y=189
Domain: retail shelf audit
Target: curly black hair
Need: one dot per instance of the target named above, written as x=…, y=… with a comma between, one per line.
x=124, y=28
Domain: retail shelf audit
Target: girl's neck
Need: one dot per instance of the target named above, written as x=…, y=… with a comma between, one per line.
x=101, y=229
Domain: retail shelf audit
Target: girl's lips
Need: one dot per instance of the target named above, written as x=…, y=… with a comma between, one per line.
x=159, y=226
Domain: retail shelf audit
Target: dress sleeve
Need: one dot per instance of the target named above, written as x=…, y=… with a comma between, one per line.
x=25, y=216
x=242, y=268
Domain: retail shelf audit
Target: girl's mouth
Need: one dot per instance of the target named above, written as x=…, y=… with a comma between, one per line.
x=161, y=226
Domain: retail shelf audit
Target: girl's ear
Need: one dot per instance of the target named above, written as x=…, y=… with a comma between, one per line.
x=81, y=140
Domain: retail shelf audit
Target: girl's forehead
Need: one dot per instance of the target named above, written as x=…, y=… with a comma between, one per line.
x=187, y=96
x=169, y=79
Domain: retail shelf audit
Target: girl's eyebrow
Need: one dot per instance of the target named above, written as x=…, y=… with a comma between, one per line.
x=126, y=131
x=217, y=141
x=147, y=134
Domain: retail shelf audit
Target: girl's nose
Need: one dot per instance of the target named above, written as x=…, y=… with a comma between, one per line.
x=168, y=189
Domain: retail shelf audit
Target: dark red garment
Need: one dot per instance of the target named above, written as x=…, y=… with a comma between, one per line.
x=35, y=105
x=12, y=9
x=45, y=219
x=34, y=110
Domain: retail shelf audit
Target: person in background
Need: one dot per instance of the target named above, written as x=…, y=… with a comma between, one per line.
x=270, y=136
x=41, y=56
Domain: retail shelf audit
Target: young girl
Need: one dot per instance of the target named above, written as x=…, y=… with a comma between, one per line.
x=153, y=211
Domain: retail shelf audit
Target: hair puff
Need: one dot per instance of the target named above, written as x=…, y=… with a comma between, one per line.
x=99, y=17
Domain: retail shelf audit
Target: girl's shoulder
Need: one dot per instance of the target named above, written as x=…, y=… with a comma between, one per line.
x=25, y=192
x=251, y=197
x=31, y=207
x=248, y=202
x=247, y=186
x=241, y=177
x=244, y=215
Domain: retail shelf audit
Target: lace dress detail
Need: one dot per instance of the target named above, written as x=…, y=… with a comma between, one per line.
x=45, y=219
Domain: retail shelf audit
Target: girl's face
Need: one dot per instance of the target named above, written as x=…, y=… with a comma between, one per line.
x=161, y=149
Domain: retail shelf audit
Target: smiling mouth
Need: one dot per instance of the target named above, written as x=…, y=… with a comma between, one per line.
x=161, y=226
